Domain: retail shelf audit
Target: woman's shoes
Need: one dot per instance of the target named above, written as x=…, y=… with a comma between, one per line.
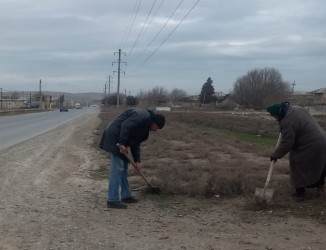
x=321, y=191
x=298, y=197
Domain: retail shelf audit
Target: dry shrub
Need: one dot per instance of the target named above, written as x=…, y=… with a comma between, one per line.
x=254, y=123
x=183, y=159
x=196, y=163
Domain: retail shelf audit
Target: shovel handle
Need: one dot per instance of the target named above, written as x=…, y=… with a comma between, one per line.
x=278, y=140
x=270, y=171
x=134, y=165
x=271, y=167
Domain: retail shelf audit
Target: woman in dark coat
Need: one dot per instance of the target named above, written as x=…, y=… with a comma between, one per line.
x=305, y=141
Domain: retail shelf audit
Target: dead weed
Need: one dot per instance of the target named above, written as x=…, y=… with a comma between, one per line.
x=185, y=159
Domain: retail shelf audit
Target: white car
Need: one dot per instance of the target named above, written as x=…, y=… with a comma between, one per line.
x=78, y=106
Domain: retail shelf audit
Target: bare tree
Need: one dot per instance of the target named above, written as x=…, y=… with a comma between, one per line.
x=176, y=95
x=141, y=94
x=157, y=95
x=260, y=87
x=154, y=97
x=15, y=95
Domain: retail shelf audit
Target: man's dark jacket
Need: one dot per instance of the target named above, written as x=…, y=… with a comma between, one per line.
x=130, y=128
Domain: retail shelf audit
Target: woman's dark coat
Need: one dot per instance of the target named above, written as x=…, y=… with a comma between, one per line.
x=130, y=128
x=305, y=141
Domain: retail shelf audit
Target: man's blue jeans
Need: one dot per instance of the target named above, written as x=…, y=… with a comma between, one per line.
x=118, y=177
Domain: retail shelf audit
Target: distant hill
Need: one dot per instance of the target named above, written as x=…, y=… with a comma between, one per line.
x=82, y=98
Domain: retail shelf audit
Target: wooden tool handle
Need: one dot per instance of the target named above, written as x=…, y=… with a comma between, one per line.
x=134, y=165
x=270, y=171
x=278, y=140
x=271, y=167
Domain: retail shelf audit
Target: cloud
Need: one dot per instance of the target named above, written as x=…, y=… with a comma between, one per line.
x=72, y=44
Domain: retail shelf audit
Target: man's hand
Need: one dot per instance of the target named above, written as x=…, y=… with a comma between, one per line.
x=123, y=149
x=137, y=166
x=274, y=159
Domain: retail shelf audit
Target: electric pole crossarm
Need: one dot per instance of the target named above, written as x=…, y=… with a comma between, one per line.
x=119, y=71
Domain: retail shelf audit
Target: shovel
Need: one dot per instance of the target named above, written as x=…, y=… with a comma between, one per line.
x=266, y=194
x=153, y=189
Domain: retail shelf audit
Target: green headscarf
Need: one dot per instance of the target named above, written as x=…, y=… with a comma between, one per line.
x=275, y=109
x=279, y=109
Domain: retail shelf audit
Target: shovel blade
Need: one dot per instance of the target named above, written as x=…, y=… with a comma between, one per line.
x=264, y=194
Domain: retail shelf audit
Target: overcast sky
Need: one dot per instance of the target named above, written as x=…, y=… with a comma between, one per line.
x=70, y=45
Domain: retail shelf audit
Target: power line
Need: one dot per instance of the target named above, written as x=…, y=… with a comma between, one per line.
x=132, y=24
x=159, y=32
x=159, y=7
x=140, y=54
x=124, y=37
x=170, y=34
x=133, y=46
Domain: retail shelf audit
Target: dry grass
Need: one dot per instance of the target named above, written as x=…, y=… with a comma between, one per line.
x=189, y=156
x=207, y=154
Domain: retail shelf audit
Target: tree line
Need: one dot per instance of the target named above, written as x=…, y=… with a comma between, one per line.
x=257, y=89
x=154, y=97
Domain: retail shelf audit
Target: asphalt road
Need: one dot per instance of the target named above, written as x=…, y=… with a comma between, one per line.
x=17, y=128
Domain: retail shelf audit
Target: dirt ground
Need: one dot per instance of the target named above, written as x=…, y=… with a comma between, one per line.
x=53, y=196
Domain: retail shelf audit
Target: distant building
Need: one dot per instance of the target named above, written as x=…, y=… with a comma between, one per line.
x=301, y=98
x=219, y=94
x=311, y=98
x=189, y=101
x=219, y=97
x=319, y=96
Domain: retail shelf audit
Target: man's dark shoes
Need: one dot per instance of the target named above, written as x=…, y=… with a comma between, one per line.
x=131, y=199
x=298, y=197
x=116, y=204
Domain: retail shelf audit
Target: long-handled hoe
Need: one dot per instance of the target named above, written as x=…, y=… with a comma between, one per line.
x=153, y=189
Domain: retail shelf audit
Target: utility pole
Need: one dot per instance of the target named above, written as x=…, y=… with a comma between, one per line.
x=293, y=84
x=1, y=98
x=41, y=97
x=119, y=70
x=109, y=84
x=40, y=88
x=126, y=98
